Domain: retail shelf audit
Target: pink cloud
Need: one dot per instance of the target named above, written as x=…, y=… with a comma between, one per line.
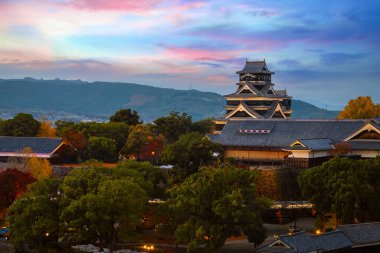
x=194, y=54
x=220, y=79
x=114, y=5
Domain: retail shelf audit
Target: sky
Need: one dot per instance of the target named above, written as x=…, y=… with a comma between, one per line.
x=325, y=52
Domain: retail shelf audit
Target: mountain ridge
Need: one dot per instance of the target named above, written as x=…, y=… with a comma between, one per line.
x=99, y=100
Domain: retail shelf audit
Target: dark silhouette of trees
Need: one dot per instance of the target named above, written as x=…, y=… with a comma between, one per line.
x=127, y=116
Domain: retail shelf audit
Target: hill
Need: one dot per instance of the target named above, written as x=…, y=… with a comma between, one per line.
x=80, y=100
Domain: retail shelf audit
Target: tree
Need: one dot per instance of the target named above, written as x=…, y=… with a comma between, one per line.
x=348, y=188
x=22, y=124
x=113, y=130
x=127, y=116
x=39, y=168
x=360, y=108
x=34, y=218
x=101, y=204
x=75, y=139
x=142, y=144
x=150, y=174
x=204, y=126
x=101, y=148
x=191, y=151
x=13, y=184
x=46, y=129
x=173, y=126
x=214, y=204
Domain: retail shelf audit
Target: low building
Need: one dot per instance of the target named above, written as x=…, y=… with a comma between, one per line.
x=353, y=238
x=53, y=149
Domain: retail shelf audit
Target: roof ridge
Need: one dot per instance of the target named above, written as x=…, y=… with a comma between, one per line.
x=31, y=137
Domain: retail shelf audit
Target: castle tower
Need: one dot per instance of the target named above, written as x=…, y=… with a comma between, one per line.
x=255, y=96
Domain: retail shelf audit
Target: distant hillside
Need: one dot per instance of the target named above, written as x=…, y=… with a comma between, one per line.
x=98, y=100
x=303, y=110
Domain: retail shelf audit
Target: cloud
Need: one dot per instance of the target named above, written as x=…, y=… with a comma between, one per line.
x=341, y=58
x=113, y=5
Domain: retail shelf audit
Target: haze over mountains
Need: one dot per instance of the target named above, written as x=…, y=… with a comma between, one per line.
x=78, y=100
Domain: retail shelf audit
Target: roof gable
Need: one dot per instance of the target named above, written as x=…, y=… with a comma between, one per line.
x=368, y=127
x=38, y=145
x=243, y=107
x=275, y=108
x=248, y=87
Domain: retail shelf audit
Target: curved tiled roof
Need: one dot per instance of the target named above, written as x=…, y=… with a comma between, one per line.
x=285, y=131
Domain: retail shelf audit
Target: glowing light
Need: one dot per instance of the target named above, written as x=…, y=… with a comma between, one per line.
x=318, y=231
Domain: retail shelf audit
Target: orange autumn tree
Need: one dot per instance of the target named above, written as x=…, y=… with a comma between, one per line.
x=360, y=108
x=46, y=129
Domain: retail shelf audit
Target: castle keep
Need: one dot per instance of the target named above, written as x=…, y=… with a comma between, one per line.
x=257, y=129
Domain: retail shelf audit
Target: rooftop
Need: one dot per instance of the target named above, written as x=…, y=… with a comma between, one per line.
x=38, y=145
x=255, y=67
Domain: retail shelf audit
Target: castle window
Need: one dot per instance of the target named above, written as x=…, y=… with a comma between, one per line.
x=254, y=131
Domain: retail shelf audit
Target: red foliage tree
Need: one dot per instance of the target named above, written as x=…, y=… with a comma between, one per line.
x=13, y=183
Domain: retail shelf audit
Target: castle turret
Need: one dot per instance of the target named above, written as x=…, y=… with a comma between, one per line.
x=255, y=96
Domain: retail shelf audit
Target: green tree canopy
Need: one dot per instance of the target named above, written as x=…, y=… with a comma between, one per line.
x=348, y=188
x=360, y=108
x=127, y=116
x=203, y=126
x=173, y=126
x=191, y=151
x=22, y=124
x=214, y=204
x=112, y=130
x=150, y=173
x=34, y=218
x=101, y=148
x=101, y=204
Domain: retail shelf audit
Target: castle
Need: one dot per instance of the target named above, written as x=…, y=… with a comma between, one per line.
x=257, y=129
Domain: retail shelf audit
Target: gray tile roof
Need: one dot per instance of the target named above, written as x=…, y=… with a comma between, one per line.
x=37, y=144
x=301, y=242
x=364, y=144
x=332, y=241
x=275, y=249
x=362, y=233
x=254, y=67
x=284, y=131
x=313, y=144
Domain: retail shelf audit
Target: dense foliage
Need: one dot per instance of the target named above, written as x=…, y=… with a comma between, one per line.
x=102, y=149
x=214, y=204
x=191, y=151
x=34, y=218
x=126, y=116
x=348, y=188
x=91, y=204
x=102, y=204
x=22, y=124
x=360, y=108
x=13, y=184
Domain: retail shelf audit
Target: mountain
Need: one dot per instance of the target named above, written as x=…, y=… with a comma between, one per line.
x=76, y=99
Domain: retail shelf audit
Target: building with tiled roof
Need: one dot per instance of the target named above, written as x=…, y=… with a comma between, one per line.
x=255, y=96
x=297, y=142
x=256, y=129
x=53, y=149
x=352, y=238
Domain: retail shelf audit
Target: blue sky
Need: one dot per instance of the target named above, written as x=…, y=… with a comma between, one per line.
x=326, y=52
